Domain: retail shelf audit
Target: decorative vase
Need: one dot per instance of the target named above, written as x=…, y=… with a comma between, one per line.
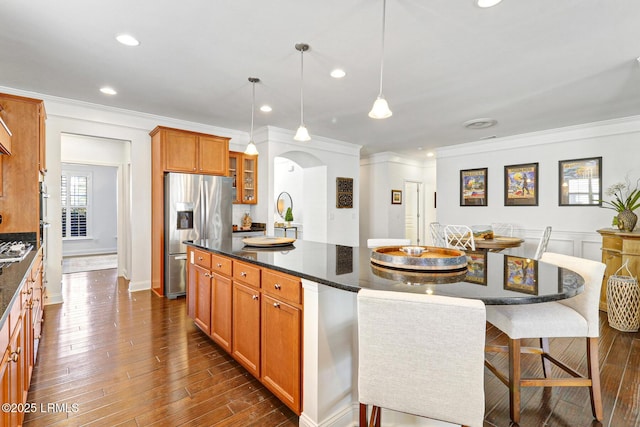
x=627, y=220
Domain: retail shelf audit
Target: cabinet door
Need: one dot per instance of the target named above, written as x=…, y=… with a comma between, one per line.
x=246, y=327
x=192, y=280
x=5, y=380
x=249, y=179
x=180, y=151
x=213, y=155
x=235, y=163
x=281, y=350
x=222, y=299
x=203, y=299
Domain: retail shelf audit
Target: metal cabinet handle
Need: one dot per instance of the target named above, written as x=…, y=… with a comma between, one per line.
x=243, y=274
x=254, y=297
x=207, y=275
x=199, y=258
x=277, y=286
x=276, y=304
x=219, y=265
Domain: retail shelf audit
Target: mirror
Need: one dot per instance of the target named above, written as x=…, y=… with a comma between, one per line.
x=283, y=202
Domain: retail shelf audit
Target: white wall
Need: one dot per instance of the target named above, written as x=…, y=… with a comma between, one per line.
x=333, y=159
x=574, y=227
x=379, y=174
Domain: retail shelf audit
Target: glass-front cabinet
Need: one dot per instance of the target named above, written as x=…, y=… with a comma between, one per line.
x=244, y=171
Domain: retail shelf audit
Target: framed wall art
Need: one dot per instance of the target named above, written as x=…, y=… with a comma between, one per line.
x=521, y=185
x=396, y=197
x=473, y=187
x=521, y=275
x=580, y=182
x=344, y=193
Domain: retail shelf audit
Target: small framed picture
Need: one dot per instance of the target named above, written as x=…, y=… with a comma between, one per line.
x=396, y=197
x=521, y=275
x=521, y=185
x=580, y=182
x=473, y=187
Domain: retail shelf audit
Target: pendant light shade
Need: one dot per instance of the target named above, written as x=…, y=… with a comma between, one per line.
x=302, y=134
x=380, y=108
x=251, y=147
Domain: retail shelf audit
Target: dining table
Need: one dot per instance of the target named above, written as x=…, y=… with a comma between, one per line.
x=498, y=243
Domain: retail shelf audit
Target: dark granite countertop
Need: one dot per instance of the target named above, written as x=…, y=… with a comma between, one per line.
x=11, y=278
x=350, y=269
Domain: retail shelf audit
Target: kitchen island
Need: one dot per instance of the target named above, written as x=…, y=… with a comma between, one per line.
x=331, y=275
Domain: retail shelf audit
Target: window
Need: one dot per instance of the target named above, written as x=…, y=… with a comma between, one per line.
x=74, y=198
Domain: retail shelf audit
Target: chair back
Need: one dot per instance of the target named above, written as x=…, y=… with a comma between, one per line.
x=459, y=237
x=422, y=355
x=586, y=303
x=374, y=243
x=436, y=230
x=502, y=229
x=542, y=244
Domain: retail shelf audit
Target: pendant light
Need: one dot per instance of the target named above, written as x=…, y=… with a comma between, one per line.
x=302, y=134
x=251, y=147
x=380, y=108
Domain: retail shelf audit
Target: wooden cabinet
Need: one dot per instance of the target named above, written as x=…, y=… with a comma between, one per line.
x=194, y=153
x=18, y=337
x=244, y=171
x=176, y=150
x=202, y=313
x=263, y=316
x=618, y=247
x=20, y=172
x=5, y=137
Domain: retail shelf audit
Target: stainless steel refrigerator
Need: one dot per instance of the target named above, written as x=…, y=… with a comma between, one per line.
x=197, y=208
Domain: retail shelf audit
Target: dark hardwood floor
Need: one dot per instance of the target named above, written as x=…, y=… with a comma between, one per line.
x=133, y=359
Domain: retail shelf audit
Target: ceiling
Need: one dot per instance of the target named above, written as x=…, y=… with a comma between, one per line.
x=530, y=65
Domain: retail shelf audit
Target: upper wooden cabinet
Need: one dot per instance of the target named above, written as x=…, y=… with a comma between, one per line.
x=21, y=171
x=243, y=168
x=191, y=152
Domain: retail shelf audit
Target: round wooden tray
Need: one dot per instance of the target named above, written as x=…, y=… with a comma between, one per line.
x=433, y=259
x=415, y=277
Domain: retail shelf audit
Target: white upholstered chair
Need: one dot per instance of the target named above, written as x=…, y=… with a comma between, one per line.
x=422, y=355
x=459, y=237
x=374, y=243
x=543, y=243
x=436, y=230
x=572, y=317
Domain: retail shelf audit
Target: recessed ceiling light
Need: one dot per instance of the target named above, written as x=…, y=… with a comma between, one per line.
x=487, y=3
x=480, y=123
x=430, y=154
x=266, y=108
x=127, y=40
x=338, y=73
x=108, y=91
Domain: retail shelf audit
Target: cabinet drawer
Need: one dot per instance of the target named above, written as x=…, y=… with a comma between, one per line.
x=246, y=273
x=282, y=286
x=613, y=243
x=221, y=265
x=202, y=258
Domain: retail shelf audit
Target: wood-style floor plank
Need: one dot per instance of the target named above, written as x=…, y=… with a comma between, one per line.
x=134, y=359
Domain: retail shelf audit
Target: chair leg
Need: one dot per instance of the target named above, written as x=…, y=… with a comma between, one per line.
x=593, y=366
x=546, y=364
x=363, y=415
x=375, y=416
x=515, y=374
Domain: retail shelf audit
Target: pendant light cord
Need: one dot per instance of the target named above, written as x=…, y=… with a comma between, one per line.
x=301, y=87
x=384, y=8
x=253, y=103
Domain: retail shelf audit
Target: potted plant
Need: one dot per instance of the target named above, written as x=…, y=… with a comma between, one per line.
x=288, y=216
x=625, y=200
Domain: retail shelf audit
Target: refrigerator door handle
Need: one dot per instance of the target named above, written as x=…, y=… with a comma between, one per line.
x=181, y=257
x=203, y=209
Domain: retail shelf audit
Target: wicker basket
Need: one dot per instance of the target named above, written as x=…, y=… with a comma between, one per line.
x=623, y=301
